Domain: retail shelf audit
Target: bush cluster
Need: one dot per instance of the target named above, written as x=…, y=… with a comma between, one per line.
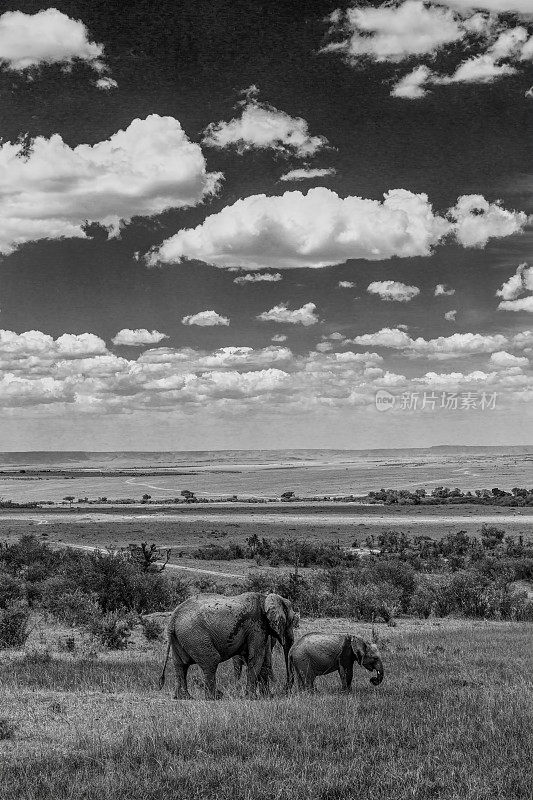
x=443, y=495
x=103, y=592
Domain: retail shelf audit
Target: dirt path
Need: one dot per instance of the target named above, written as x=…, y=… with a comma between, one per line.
x=91, y=549
x=300, y=517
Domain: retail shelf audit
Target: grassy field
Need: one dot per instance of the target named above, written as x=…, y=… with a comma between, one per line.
x=453, y=719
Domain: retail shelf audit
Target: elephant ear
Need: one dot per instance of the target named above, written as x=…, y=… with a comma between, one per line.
x=276, y=615
x=359, y=647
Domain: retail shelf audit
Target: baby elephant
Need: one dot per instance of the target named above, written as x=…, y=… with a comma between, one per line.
x=321, y=653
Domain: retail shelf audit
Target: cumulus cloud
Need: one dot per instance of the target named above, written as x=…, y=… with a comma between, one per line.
x=517, y=284
x=47, y=37
x=307, y=173
x=393, y=32
x=106, y=83
x=505, y=360
x=442, y=347
x=319, y=229
x=137, y=337
x=398, y=31
x=262, y=127
x=393, y=291
x=346, y=285
x=52, y=191
x=524, y=304
x=258, y=277
x=279, y=337
x=412, y=85
x=76, y=371
x=498, y=6
x=450, y=316
x=306, y=315
x=205, y=319
x=442, y=290
x=476, y=221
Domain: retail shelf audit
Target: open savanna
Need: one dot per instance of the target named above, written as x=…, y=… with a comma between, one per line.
x=189, y=527
x=453, y=719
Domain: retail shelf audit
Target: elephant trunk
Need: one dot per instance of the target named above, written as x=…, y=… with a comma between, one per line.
x=378, y=677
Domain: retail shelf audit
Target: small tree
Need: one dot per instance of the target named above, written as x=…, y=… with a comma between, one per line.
x=188, y=495
x=146, y=497
x=69, y=498
x=287, y=496
x=146, y=557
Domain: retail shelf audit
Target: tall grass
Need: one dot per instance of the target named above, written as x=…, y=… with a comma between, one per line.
x=452, y=720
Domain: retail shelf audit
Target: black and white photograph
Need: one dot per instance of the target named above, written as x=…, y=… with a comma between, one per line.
x=266, y=399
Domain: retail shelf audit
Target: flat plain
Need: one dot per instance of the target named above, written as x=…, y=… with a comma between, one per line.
x=452, y=720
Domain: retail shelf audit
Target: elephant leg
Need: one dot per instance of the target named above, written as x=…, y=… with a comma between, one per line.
x=181, y=692
x=257, y=671
x=238, y=663
x=346, y=675
x=210, y=678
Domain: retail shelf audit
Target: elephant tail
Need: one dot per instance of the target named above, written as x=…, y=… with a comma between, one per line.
x=162, y=677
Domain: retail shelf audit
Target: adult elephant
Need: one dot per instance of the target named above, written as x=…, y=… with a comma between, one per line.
x=266, y=676
x=322, y=653
x=207, y=629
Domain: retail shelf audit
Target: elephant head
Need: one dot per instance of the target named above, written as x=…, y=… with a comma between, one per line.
x=367, y=655
x=282, y=621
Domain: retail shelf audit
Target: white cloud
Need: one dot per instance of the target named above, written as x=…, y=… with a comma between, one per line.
x=412, y=85
x=393, y=290
x=106, y=83
x=261, y=127
x=205, y=319
x=47, y=37
x=443, y=347
x=476, y=221
x=346, y=285
x=394, y=32
x=324, y=347
x=305, y=173
x=397, y=31
x=76, y=372
x=504, y=360
x=306, y=315
x=517, y=284
x=450, y=316
x=137, y=337
x=319, y=229
x=141, y=171
x=258, y=277
x=497, y=6
x=442, y=290
x=524, y=304
x=279, y=337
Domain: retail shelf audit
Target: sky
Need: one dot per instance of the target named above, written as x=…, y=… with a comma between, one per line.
x=265, y=225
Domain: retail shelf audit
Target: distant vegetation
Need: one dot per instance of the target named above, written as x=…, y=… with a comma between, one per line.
x=392, y=574
x=441, y=495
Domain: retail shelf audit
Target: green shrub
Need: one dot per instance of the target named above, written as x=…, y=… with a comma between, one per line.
x=14, y=626
x=423, y=601
x=12, y=589
x=113, y=630
x=152, y=629
x=74, y=608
